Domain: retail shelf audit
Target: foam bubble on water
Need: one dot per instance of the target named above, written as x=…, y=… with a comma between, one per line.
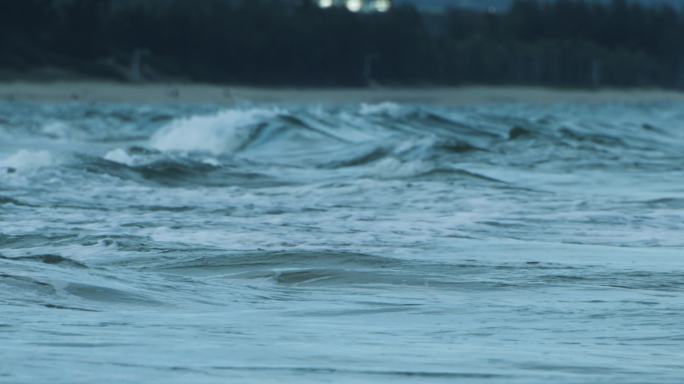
x=25, y=159
x=211, y=161
x=119, y=156
x=56, y=129
x=393, y=168
x=384, y=108
x=221, y=133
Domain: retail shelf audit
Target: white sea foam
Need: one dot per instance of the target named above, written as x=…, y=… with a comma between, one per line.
x=221, y=133
x=384, y=108
x=389, y=168
x=57, y=130
x=120, y=156
x=25, y=159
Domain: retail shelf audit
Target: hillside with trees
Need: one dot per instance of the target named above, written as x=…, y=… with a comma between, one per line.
x=273, y=43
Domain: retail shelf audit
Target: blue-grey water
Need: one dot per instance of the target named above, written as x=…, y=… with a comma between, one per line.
x=353, y=244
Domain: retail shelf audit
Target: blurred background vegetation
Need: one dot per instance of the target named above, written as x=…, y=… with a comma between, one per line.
x=564, y=43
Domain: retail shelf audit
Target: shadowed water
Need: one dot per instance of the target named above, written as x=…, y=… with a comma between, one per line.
x=364, y=243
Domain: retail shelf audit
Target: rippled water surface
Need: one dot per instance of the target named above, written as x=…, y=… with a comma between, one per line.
x=361, y=243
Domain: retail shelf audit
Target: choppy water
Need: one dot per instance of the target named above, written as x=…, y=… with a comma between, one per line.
x=366, y=243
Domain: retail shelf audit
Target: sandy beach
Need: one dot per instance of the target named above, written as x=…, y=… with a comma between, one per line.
x=104, y=92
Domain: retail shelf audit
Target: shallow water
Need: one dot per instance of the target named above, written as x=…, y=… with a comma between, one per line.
x=365, y=243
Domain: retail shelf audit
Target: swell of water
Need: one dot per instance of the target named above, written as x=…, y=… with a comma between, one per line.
x=368, y=243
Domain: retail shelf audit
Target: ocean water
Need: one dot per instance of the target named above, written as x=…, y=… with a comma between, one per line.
x=364, y=243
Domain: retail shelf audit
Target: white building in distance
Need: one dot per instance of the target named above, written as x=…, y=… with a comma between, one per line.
x=358, y=5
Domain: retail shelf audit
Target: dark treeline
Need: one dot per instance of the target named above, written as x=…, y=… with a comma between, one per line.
x=269, y=42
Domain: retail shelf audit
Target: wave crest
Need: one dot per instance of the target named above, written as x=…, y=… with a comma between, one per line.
x=217, y=134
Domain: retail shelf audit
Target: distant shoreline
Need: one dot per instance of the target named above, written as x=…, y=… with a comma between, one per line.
x=157, y=93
